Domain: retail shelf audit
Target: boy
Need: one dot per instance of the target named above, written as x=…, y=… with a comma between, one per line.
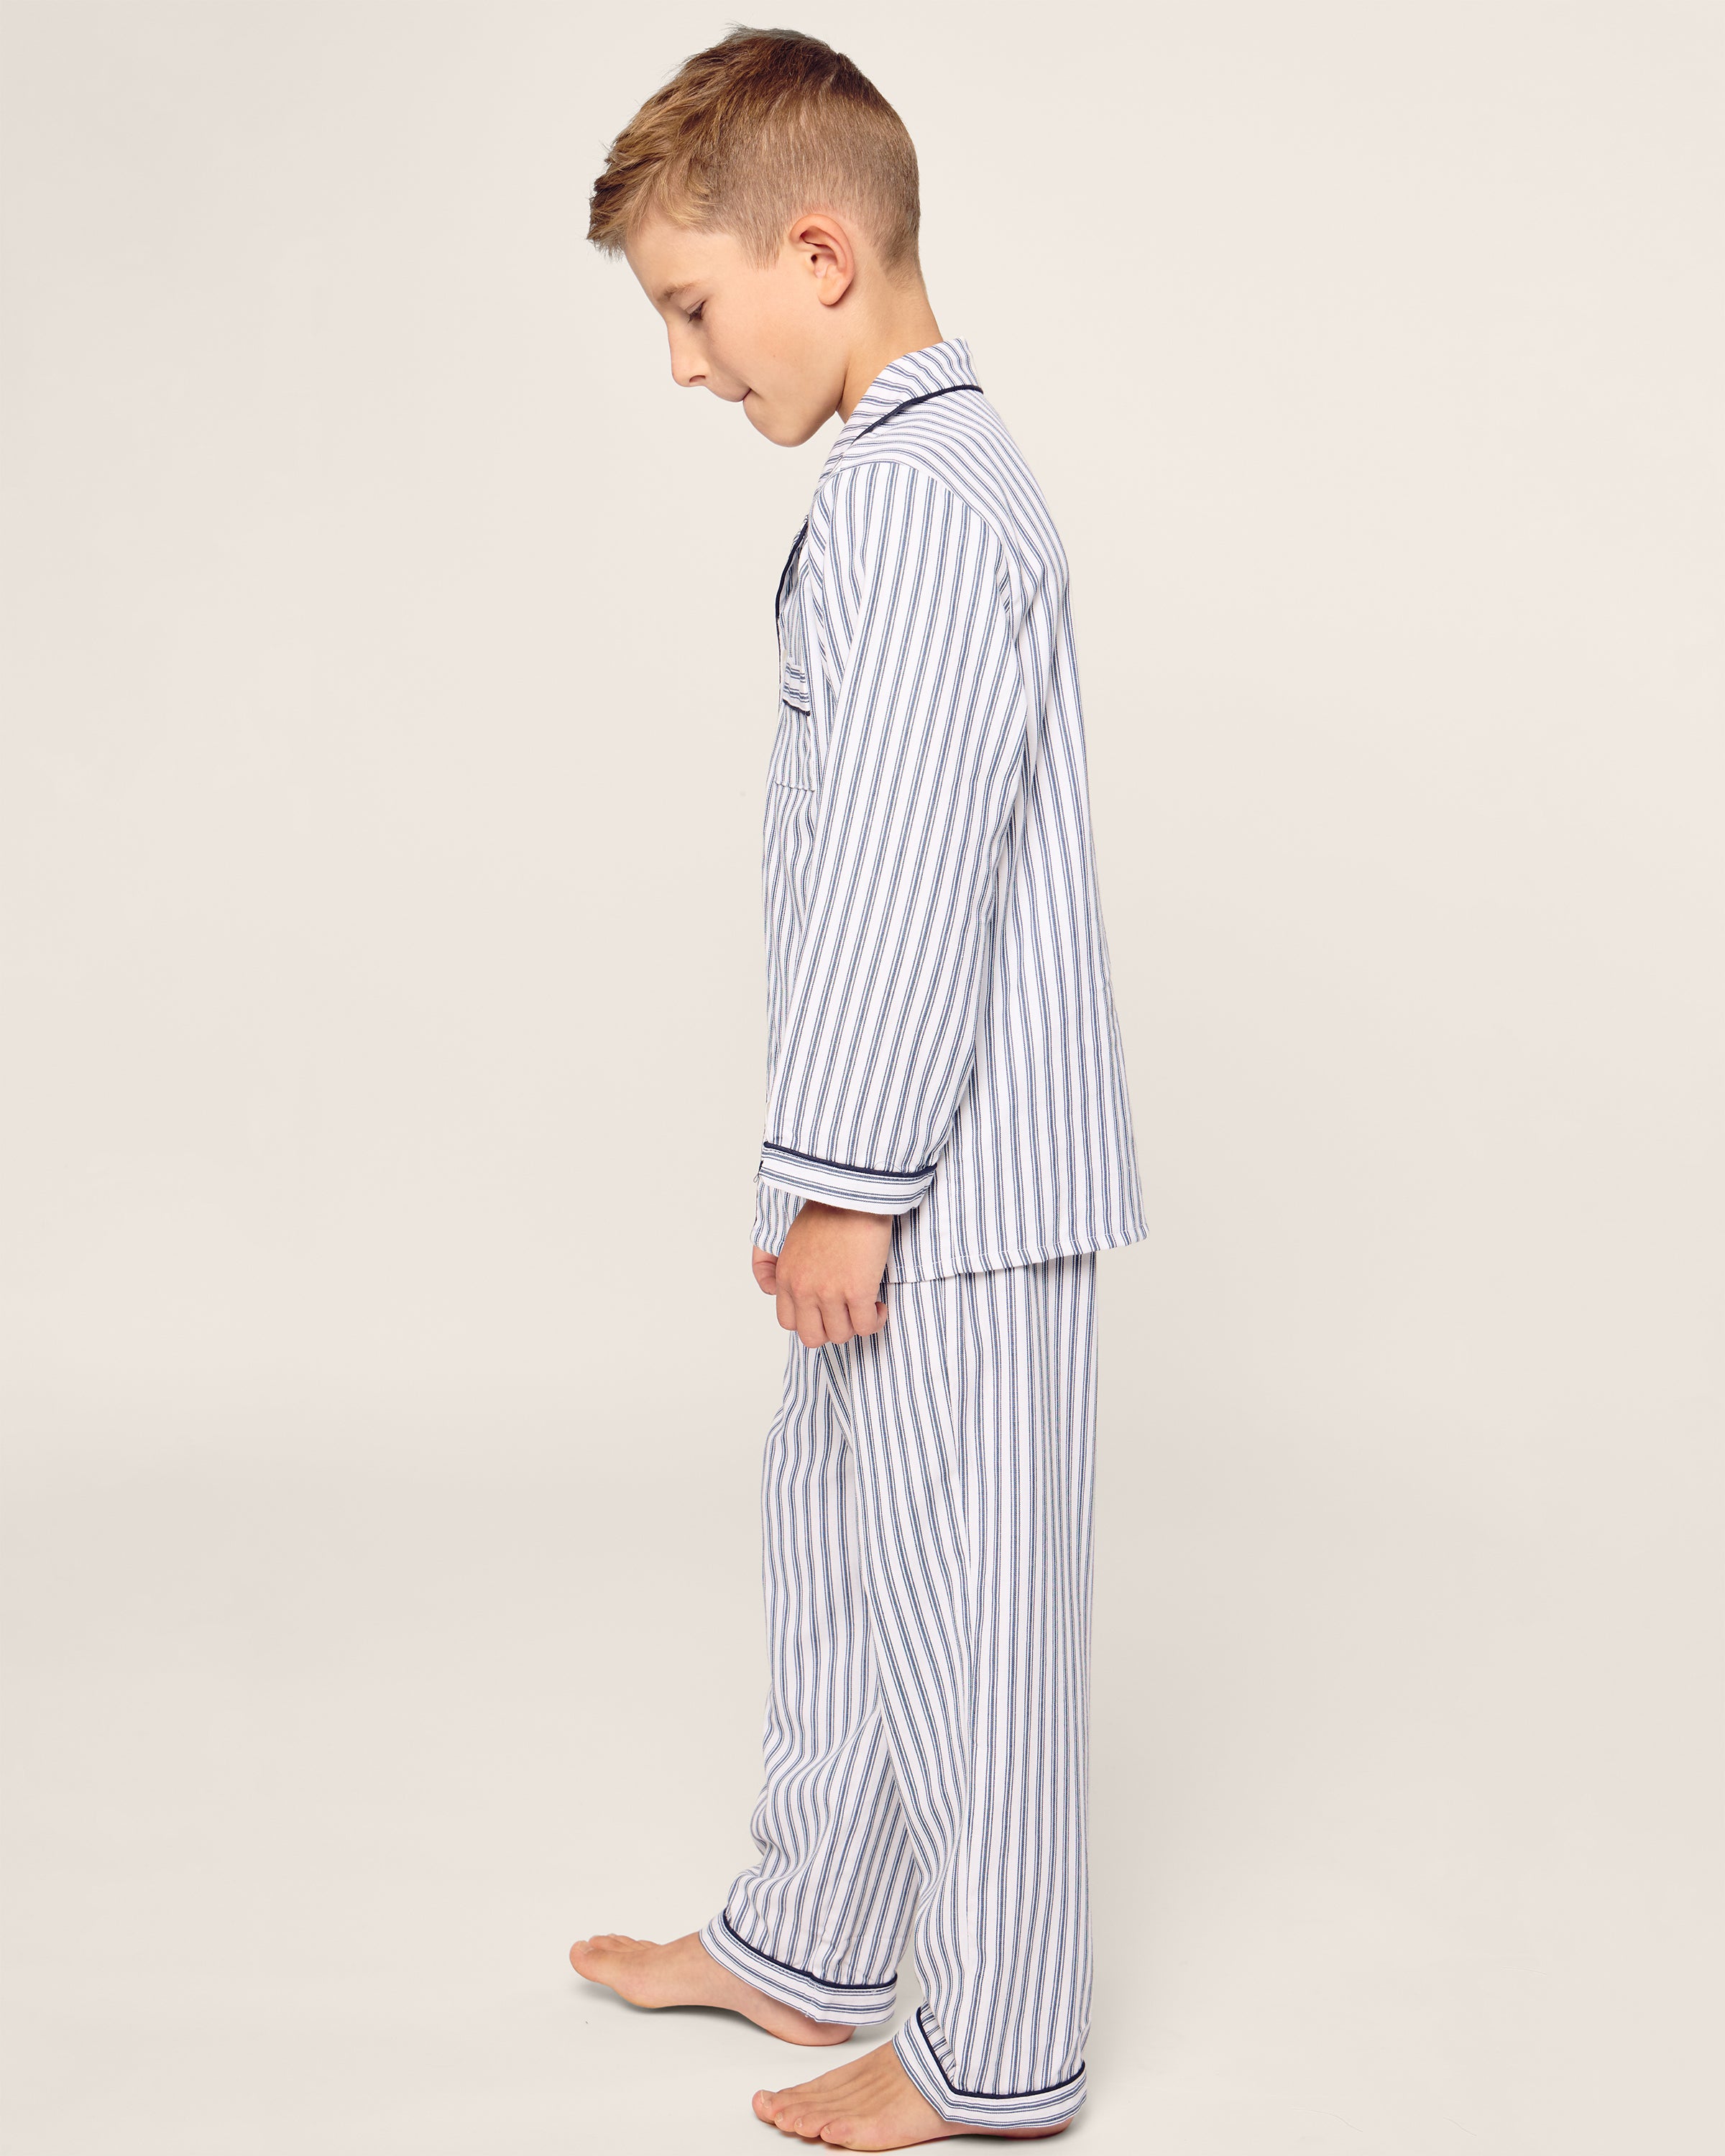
x=948, y=1140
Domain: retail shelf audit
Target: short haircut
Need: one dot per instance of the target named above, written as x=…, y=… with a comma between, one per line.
x=746, y=135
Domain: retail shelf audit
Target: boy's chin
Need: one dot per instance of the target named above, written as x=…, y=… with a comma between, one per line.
x=788, y=429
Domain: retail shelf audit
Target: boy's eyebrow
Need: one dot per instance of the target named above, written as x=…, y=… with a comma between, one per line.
x=672, y=291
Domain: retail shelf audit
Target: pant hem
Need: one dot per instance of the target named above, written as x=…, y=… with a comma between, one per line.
x=1045, y=2106
x=854, y=2004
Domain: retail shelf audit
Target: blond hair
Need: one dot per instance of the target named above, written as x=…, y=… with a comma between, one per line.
x=747, y=135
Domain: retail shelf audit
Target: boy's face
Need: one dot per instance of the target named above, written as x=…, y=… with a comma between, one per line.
x=769, y=340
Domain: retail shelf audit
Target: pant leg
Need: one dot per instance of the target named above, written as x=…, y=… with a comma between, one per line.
x=820, y=1921
x=973, y=1425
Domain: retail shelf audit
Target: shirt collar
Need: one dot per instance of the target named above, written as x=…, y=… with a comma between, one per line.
x=942, y=365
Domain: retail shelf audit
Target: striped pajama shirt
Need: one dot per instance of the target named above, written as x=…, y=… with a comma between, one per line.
x=942, y=1046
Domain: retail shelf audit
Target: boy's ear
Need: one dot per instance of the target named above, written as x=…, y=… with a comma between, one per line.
x=824, y=249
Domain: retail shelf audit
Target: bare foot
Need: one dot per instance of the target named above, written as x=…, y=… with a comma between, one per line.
x=684, y=1973
x=871, y=2103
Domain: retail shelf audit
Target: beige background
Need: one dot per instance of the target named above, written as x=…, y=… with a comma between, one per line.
x=389, y=686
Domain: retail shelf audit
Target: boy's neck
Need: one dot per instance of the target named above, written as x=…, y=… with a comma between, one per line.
x=904, y=322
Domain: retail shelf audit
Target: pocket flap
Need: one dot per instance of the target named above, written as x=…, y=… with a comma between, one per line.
x=792, y=685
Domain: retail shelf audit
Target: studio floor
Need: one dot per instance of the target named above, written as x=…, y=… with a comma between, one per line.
x=314, y=1766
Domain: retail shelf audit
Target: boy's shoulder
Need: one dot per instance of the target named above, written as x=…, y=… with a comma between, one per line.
x=955, y=443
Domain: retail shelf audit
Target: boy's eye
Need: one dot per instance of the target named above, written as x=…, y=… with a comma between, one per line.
x=694, y=314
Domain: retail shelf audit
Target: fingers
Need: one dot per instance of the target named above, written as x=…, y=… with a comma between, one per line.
x=828, y=1322
x=803, y=1316
x=825, y=1321
x=817, y=1321
x=826, y=1282
x=807, y=1322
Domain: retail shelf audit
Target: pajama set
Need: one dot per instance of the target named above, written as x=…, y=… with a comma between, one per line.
x=942, y=1046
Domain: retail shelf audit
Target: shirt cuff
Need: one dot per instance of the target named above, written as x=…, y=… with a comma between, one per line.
x=774, y=1211
x=835, y=1182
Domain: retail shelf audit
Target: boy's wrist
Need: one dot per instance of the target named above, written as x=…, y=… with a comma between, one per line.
x=839, y=1214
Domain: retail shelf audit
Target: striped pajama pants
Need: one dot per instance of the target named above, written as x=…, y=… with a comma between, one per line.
x=926, y=1511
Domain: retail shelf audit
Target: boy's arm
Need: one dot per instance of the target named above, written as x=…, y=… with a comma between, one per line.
x=916, y=789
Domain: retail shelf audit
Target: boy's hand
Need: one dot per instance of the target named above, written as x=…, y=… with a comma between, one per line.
x=827, y=1275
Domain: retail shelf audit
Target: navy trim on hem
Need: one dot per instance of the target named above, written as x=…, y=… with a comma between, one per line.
x=808, y=1976
x=882, y=1174
x=989, y=2095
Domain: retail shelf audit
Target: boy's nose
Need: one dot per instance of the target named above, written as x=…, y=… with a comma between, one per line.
x=687, y=370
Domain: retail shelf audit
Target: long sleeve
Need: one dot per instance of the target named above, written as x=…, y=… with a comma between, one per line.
x=917, y=782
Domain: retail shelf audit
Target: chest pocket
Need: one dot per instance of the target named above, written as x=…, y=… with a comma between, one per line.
x=792, y=761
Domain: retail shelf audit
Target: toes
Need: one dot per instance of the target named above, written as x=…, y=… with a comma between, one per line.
x=790, y=2121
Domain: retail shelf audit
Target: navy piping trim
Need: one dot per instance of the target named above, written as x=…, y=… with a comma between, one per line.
x=790, y=1969
x=923, y=399
x=988, y=2096
x=784, y=574
x=884, y=1174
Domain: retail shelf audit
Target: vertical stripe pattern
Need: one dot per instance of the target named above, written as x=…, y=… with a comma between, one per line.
x=942, y=1037
x=926, y=1505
